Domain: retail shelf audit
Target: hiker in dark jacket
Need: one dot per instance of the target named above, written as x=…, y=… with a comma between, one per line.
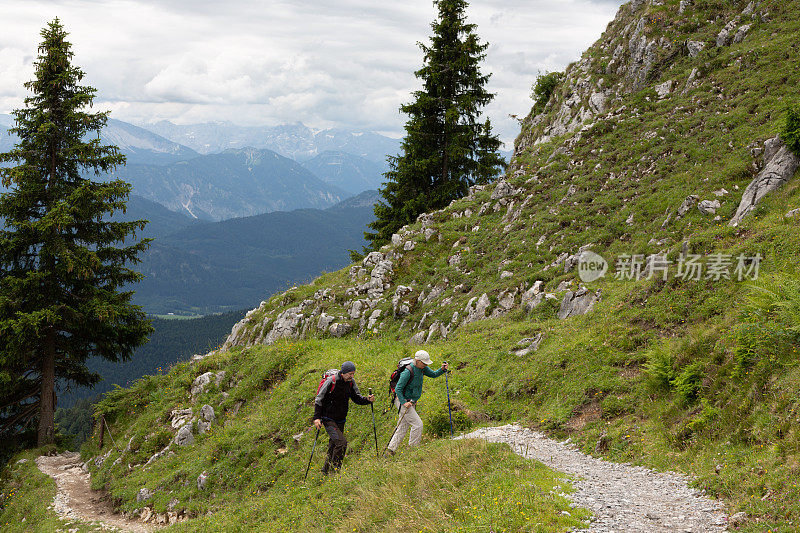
x=409, y=390
x=330, y=410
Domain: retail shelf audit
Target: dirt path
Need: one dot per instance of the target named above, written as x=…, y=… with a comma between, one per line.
x=75, y=500
x=622, y=497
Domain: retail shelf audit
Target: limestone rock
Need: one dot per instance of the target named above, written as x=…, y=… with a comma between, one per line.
x=577, y=302
x=287, y=324
x=207, y=412
x=202, y=480
x=780, y=164
x=373, y=318
x=325, y=320
x=179, y=417
x=724, y=36
x=340, y=329
x=683, y=5
x=709, y=207
x=419, y=337
x=664, y=89
x=372, y=259
x=793, y=213
x=476, y=308
x=527, y=345
x=185, y=437
x=143, y=495
x=430, y=233
x=506, y=274
x=533, y=296
x=687, y=204
x=502, y=190
x=201, y=382
x=695, y=47
x=741, y=33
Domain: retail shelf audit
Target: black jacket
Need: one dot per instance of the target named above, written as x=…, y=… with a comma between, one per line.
x=332, y=401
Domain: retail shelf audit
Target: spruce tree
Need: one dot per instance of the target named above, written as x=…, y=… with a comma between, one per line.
x=446, y=148
x=62, y=260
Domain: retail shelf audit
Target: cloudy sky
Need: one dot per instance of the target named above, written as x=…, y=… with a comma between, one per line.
x=326, y=63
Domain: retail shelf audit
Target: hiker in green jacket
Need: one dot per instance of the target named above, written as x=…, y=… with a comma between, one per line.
x=409, y=390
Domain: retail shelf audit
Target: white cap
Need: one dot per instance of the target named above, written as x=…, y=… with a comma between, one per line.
x=423, y=356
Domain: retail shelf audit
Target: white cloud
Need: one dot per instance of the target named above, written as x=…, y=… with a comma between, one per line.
x=344, y=63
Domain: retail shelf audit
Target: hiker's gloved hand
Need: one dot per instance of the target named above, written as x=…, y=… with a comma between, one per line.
x=408, y=404
x=318, y=423
x=371, y=398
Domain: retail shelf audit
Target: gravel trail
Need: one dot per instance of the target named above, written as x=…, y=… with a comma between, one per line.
x=75, y=499
x=622, y=497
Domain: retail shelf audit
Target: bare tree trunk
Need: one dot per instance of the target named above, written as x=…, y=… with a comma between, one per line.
x=48, y=395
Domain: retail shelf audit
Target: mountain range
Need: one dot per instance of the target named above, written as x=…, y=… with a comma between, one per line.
x=195, y=267
x=296, y=141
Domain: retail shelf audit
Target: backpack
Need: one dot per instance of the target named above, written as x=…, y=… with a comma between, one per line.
x=325, y=375
x=408, y=363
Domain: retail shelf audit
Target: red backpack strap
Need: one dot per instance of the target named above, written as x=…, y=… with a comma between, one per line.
x=333, y=382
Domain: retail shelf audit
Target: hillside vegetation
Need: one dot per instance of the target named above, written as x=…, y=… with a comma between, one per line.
x=669, y=109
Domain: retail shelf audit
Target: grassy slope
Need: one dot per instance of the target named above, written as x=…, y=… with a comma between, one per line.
x=730, y=417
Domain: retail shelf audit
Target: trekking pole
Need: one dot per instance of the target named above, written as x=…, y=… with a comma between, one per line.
x=312, y=455
x=449, y=411
x=374, y=431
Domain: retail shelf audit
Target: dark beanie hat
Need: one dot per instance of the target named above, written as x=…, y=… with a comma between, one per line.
x=348, y=366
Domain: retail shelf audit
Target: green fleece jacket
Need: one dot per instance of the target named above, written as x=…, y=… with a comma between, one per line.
x=409, y=388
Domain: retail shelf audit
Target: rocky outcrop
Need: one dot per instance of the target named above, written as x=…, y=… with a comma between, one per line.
x=780, y=165
x=577, y=302
x=527, y=345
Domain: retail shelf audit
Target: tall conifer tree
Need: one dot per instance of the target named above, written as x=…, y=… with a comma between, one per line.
x=62, y=261
x=446, y=148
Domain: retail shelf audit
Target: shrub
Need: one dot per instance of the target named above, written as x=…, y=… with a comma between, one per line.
x=660, y=367
x=544, y=88
x=438, y=424
x=687, y=384
x=790, y=134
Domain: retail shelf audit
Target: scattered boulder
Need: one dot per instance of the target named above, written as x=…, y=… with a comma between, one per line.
x=683, y=5
x=741, y=33
x=664, y=89
x=793, y=213
x=780, y=164
x=687, y=204
x=324, y=322
x=143, y=495
x=506, y=274
x=709, y=207
x=419, y=337
x=695, y=47
x=201, y=382
x=724, y=37
x=185, y=437
x=577, y=302
x=527, y=345
x=502, y=190
x=207, y=413
x=202, y=480
x=287, y=324
x=533, y=296
x=179, y=417
x=476, y=308
x=372, y=259
x=340, y=329
x=373, y=318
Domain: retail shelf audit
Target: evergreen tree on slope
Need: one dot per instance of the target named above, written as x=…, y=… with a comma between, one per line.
x=447, y=148
x=61, y=261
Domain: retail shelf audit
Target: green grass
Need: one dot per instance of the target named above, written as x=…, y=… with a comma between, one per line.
x=679, y=375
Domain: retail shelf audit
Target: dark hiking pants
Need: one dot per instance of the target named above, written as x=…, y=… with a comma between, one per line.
x=337, y=445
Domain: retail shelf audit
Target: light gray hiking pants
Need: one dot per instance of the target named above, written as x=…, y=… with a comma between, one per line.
x=407, y=418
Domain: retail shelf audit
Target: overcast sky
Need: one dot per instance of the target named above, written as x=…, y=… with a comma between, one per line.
x=326, y=63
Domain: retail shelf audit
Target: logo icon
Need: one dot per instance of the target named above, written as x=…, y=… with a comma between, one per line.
x=591, y=267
